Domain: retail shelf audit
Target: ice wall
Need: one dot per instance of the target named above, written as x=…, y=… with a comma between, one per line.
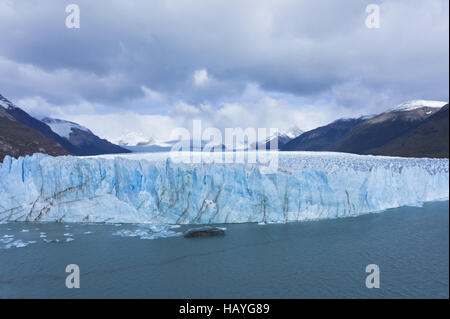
x=154, y=189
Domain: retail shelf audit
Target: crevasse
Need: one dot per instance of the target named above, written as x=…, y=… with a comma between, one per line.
x=151, y=188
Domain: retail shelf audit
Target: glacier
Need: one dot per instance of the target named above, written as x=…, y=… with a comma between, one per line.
x=154, y=189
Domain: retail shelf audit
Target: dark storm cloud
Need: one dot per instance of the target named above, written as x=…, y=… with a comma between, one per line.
x=302, y=48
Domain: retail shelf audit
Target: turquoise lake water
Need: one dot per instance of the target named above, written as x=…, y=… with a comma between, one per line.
x=316, y=259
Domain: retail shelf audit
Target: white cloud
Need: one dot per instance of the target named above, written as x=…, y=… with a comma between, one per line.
x=255, y=109
x=113, y=126
x=229, y=63
x=38, y=107
x=201, y=78
x=182, y=109
x=116, y=127
x=151, y=94
x=62, y=84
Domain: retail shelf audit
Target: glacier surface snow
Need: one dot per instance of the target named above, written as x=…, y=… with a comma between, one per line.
x=151, y=188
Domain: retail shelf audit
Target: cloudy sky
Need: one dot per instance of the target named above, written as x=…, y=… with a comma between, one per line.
x=142, y=68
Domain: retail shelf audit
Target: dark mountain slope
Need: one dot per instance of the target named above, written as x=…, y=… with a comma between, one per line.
x=381, y=129
x=322, y=138
x=23, y=117
x=429, y=139
x=80, y=142
x=17, y=139
x=83, y=138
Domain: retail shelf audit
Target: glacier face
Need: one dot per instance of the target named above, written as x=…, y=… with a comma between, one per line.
x=151, y=188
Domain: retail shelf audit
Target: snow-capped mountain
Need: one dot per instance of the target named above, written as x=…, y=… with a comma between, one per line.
x=72, y=137
x=381, y=134
x=64, y=128
x=27, y=120
x=283, y=136
x=149, y=142
x=131, y=138
x=137, y=143
x=292, y=132
x=167, y=146
x=417, y=104
x=82, y=137
x=4, y=102
x=145, y=142
x=17, y=139
x=430, y=138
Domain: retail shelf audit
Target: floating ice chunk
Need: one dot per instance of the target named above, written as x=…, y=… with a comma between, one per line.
x=25, y=230
x=127, y=233
x=69, y=239
x=9, y=243
x=19, y=244
x=166, y=234
x=68, y=235
x=149, y=232
x=6, y=240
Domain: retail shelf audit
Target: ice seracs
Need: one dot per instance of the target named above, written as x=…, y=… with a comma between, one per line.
x=151, y=188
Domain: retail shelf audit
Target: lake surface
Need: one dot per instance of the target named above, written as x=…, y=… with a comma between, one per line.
x=316, y=259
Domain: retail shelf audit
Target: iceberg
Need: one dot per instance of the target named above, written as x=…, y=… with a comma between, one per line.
x=153, y=189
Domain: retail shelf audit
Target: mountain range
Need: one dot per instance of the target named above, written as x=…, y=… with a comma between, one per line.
x=282, y=137
x=22, y=134
x=167, y=146
x=81, y=137
x=415, y=129
x=17, y=139
x=137, y=143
